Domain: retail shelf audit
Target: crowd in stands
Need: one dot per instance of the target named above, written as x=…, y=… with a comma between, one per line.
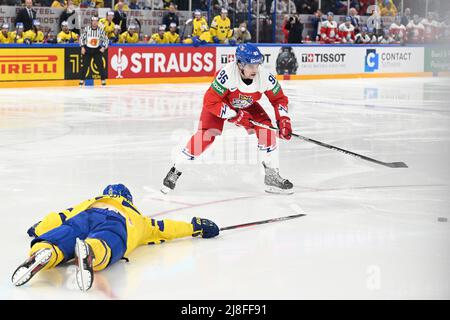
x=327, y=29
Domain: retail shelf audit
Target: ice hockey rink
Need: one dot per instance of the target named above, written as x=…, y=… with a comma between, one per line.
x=370, y=232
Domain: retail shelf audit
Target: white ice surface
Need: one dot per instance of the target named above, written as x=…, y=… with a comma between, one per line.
x=371, y=232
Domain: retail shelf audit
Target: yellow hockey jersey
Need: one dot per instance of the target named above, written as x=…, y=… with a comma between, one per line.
x=34, y=37
x=126, y=37
x=141, y=230
x=7, y=38
x=221, y=28
x=199, y=26
x=171, y=37
x=108, y=27
x=17, y=38
x=157, y=38
x=65, y=37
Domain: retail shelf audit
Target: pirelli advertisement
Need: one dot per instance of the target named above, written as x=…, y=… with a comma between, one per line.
x=17, y=64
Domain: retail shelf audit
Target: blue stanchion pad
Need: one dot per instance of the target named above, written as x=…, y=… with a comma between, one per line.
x=89, y=82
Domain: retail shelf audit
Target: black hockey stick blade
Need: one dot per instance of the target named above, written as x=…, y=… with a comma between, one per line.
x=262, y=222
x=397, y=165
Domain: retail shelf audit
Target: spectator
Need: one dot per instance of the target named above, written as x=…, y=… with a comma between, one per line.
x=51, y=38
x=316, y=22
x=58, y=4
x=387, y=8
x=306, y=6
x=406, y=18
x=347, y=31
x=284, y=6
x=171, y=17
x=116, y=34
x=120, y=17
x=26, y=16
x=123, y=6
x=295, y=28
x=240, y=35
x=133, y=5
x=285, y=29
x=70, y=16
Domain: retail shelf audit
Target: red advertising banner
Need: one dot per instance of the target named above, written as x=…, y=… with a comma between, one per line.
x=157, y=62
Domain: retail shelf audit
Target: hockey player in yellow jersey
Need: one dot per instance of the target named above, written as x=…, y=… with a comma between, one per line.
x=172, y=36
x=129, y=36
x=18, y=36
x=66, y=36
x=99, y=232
x=159, y=37
x=35, y=35
x=5, y=35
x=200, y=30
x=107, y=24
x=220, y=27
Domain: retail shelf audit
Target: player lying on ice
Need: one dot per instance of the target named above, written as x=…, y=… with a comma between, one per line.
x=97, y=233
x=233, y=96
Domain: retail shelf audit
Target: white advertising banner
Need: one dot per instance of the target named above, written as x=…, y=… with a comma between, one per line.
x=393, y=59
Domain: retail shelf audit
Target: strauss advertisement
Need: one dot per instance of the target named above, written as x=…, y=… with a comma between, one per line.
x=148, y=62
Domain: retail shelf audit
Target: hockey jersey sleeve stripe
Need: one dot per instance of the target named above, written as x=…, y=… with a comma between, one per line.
x=276, y=89
x=217, y=87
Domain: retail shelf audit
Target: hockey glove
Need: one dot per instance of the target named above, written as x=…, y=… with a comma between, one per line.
x=284, y=125
x=32, y=230
x=242, y=119
x=204, y=228
x=232, y=42
x=216, y=40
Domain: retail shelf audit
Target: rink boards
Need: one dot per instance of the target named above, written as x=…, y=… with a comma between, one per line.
x=59, y=65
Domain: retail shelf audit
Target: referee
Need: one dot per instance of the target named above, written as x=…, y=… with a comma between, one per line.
x=93, y=43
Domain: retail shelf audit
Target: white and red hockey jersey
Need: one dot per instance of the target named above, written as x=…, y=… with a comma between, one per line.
x=430, y=31
x=228, y=92
x=329, y=32
x=347, y=33
x=415, y=32
x=397, y=32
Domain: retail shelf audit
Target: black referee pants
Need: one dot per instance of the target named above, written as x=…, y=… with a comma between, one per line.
x=92, y=53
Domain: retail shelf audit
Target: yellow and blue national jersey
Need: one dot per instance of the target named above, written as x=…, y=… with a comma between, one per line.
x=199, y=26
x=108, y=27
x=141, y=230
x=220, y=28
x=126, y=37
x=172, y=37
x=6, y=38
x=34, y=37
x=158, y=39
x=17, y=37
x=67, y=37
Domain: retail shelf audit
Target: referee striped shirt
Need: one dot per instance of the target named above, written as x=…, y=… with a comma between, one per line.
x=94, y=38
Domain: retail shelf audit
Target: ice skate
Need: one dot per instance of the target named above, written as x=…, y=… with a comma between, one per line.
x=84, y=261
x=275, y=183
x=170, y=180
x=35, y=263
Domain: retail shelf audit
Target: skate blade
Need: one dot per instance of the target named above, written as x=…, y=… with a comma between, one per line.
x=165, y=190
x=23, y=274
x=84, y=277
x=275, y=190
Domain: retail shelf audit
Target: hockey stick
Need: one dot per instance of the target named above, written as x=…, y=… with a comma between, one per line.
x=322, y=144
x=184, y=29
x=262, y=222
x=140, y=28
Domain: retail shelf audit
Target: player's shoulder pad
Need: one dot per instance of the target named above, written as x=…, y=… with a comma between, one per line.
x=270, y=82
x=225, y=79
